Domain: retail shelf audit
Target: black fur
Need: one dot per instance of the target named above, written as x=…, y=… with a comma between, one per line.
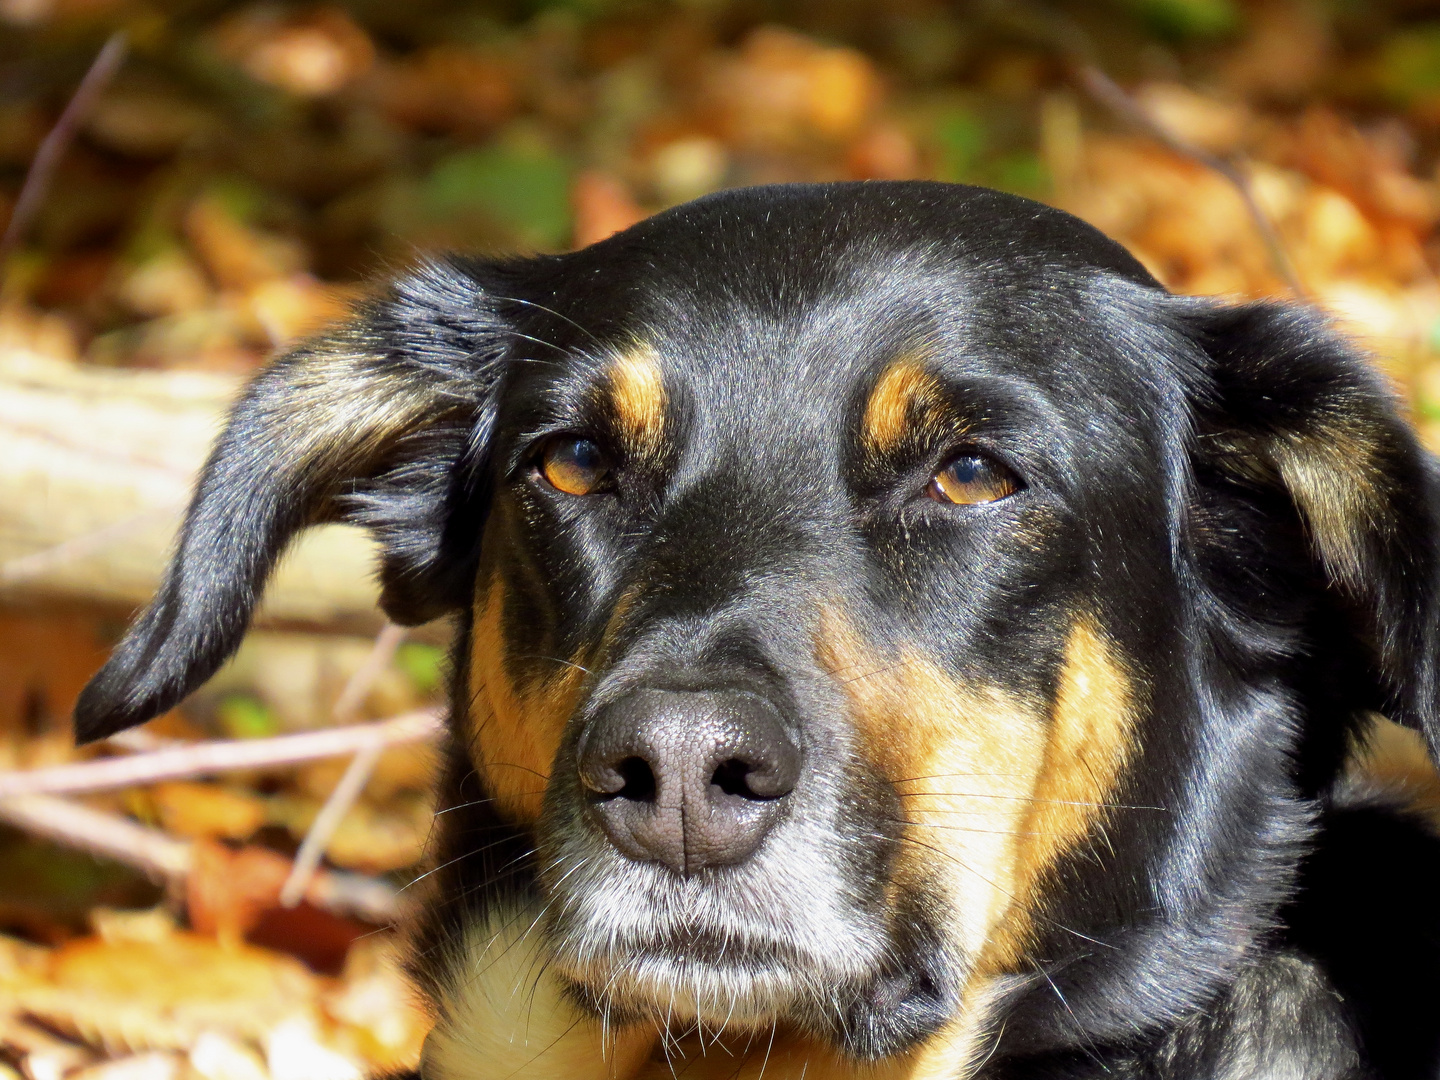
x=1228, y=491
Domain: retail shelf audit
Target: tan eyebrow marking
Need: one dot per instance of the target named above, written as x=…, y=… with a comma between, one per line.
x=637, y=393
x=906, y=397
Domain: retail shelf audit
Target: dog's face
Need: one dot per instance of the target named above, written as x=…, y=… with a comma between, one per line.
x=791, y=598
x=886, y=612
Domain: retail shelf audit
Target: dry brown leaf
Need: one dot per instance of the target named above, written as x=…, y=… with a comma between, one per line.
x=783, y=89
x=228, y=891
x=162, y=995
x=237, y=255
x=603, y=206
x=207, y=811
x=152, y=1065
x=378, y=1005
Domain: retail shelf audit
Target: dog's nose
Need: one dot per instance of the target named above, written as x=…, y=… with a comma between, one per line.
x=688, y=779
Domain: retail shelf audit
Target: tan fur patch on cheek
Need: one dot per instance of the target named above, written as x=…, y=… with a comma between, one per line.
x=994, y=791
x=515, y=731
x=964, y=761
x=637, y=394
x=906, y=398
x=1090, y=740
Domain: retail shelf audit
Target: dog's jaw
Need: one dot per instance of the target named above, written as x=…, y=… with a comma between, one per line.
x=778, y=940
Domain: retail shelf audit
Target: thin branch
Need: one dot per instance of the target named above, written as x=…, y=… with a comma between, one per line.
x=224, y=755
x=1109, y=93
x=317, y=839
x=168, y=860
x=357, y=774
x=161, y=857
x=1061, y=34
x=347, y=705
x=57, y=141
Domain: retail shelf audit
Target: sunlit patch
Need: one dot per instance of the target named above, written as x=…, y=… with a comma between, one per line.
x=907, y=400
x=637, y=395
x=506, y=1015
x=516, y=729
x=1090, y=739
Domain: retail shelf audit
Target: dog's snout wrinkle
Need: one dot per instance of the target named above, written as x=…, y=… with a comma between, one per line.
x=688, y=779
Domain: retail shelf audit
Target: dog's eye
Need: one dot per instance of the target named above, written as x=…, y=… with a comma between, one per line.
x=575, y=466
x=972, y=478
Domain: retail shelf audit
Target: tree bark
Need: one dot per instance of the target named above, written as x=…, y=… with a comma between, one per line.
x=96, y=466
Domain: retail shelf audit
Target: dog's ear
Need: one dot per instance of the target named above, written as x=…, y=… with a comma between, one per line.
x=1288, y=403
x=382, y=423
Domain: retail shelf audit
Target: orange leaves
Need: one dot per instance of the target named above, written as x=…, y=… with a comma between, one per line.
x=784, y=89
x=165, y=1002
x=310, y=55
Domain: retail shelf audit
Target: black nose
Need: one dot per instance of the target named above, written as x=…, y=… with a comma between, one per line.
x=688, y=779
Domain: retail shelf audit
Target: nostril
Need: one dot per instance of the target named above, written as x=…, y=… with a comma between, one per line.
x=730, y=777
x=639, y=780
x=748, y=781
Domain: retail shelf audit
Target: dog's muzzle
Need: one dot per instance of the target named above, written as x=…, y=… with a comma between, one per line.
x=688, y=779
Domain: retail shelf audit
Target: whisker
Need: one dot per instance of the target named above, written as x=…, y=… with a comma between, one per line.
x=552, y=311
x=1021, y=798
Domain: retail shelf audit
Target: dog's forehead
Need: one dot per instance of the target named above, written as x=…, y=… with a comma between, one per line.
x=755, y=300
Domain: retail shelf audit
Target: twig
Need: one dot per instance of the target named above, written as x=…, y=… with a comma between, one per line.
x=357, y=774
x=1109, y=93
x=53, y=146
x=221, y=755
x=317, y=839
x=347, y=705
x=163, y=858
x=1060, y=33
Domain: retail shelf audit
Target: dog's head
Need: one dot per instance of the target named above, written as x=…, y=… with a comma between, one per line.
x=877, y=600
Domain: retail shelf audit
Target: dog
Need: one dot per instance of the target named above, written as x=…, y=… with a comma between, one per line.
x=896, y=638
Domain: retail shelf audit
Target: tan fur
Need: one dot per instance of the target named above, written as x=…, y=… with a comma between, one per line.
x=637, y=394
x=339, y=411
x=1394, y=760
x=787, y=1057
x=508, y=1019
x=515, y=730
x=1091, y=738
x=1335, y=481
x=993, y=793
x=907, y=400
x=964, y=759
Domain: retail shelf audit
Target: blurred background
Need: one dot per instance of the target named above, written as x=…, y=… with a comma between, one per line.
x=187, y=186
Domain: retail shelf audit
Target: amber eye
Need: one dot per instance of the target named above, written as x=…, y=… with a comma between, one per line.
x=575, y=466
x=972, y=478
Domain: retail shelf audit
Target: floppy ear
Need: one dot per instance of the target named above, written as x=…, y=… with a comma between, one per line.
x=1290, y=404
x=379, y=424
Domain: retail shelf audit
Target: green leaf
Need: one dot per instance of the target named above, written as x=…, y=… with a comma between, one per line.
x=524, y=188
x=1023, y=173
x=959, y=139
x=423, y=665
x=1183, y=20
x=241, y=716
x=1409, y=65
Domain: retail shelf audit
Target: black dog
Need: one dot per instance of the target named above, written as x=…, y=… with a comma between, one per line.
x=897, y=639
